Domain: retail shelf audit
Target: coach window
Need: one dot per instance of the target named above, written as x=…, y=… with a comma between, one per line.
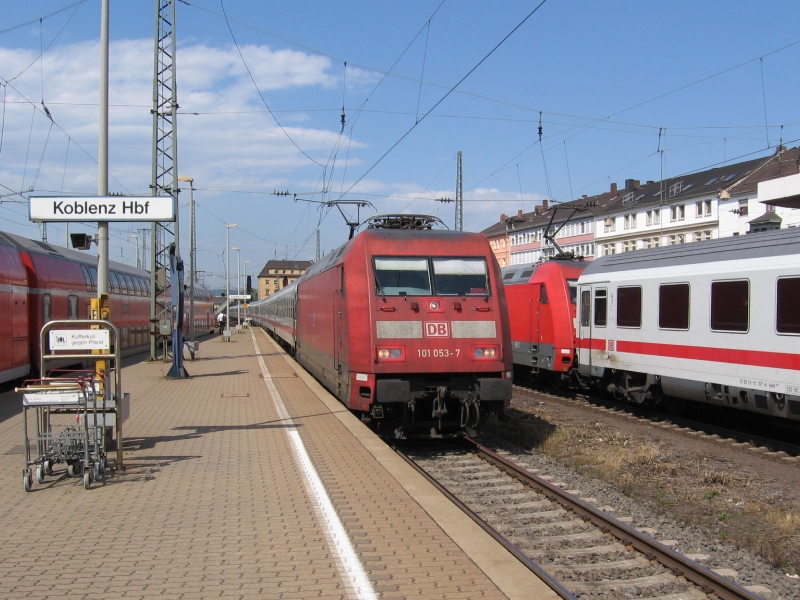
x=87, y=278
x=585, y=306
x=129, y=284
x=114, y=283
x=73, y=307
x=93, y=277
x=402, y=276
x=629, y=306
x=730, y=305
x=788, y=317
x=600, y=307
x=47, y=308
x=460, y=277
x=673, y=306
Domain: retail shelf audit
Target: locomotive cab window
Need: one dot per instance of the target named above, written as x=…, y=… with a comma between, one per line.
x=730, y=309
x=460, y=277
x=402, y=276
x=573, y=290
x=629, y=306
x=600, y=307
x=788, y=317
x=673, y=306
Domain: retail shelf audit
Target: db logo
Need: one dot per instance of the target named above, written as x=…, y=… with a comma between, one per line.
x=436, y=330
x=611, y=346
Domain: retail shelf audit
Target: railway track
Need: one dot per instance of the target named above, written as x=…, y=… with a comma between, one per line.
x=580, y=550
x=779, y=447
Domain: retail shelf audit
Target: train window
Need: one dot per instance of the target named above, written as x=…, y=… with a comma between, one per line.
x=460, y=277
x=47, y=308
x=543, y=294
x=93, y=277
x=600, y=307
x=788, y=318
x=113, y=282
x=573, y=290
x=402, y=276
x=131, y=287
x=730, y=305
x=585, y=308
x=629, y=306
x=87, y=278
x=673, y=306
x=125, y=337
x=73, y=307
x=509, y=275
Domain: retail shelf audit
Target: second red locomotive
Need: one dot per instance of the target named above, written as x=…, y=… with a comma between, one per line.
x=405, y=324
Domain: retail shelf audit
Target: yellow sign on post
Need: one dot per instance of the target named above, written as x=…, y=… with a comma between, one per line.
x=100, y=310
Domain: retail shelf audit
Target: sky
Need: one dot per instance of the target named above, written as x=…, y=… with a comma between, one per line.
x=369, y=103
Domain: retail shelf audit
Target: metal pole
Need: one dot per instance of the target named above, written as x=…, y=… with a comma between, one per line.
x=228, y=280
x=102, y=154
x=238, y=289
x=192, y=266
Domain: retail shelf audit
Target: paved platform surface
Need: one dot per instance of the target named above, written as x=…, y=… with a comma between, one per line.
x=244, y=480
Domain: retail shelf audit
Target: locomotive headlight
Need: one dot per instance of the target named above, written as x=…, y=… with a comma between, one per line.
x=485, y=352
x=391, y=353
x=435, y=306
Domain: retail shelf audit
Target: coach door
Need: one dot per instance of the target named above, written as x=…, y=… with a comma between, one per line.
x=592, y=317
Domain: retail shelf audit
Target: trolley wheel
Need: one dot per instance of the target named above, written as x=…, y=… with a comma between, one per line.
x=74, y=469
x=40, y=472
x=27, y=481
x=87, y=480
x=48, y=467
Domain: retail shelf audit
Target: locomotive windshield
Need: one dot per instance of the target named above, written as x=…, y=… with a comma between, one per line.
x=401, y=276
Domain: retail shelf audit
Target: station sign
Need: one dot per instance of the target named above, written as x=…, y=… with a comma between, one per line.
x=239, y=296
x=80, y=339
x=100, y=208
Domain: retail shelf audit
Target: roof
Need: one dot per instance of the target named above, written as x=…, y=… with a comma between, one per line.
x=738, y=179
x=284, y=265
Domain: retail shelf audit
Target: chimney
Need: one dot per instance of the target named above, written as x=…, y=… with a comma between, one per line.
x=503, y=218
x=614, y=188
x=519, y=213
x=631, y=185
x=544, y=205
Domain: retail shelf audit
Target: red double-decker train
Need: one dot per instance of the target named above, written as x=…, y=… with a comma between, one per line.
x=406, y=324
x=40, y=282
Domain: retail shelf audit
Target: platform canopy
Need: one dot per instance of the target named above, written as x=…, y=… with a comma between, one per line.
x=783, y=191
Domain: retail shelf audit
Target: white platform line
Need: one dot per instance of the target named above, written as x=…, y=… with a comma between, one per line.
x=350, y=567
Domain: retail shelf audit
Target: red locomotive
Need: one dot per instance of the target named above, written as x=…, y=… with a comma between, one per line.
x=542, y=302
x=406, y=324
x=40, y=282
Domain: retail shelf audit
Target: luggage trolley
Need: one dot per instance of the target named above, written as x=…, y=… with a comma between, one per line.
x=79, y=445
x=95, y=399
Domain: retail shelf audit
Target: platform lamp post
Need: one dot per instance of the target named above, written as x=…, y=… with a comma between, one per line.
x=227, y=334
x=238, y=287
x=245, y=262
x=192, y=257
x=136, y=237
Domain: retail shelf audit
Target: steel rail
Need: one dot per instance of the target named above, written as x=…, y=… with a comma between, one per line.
x=709, y=581
x=535, y=568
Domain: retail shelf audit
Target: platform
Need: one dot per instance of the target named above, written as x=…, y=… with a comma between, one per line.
x=245, y=480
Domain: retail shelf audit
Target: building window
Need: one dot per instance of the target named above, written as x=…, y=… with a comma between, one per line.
x=629, y=221
x=742, y=210
x=677, y=212
x=703, y=208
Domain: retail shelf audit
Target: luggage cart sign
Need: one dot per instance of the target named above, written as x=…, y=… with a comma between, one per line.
x=80, y=339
